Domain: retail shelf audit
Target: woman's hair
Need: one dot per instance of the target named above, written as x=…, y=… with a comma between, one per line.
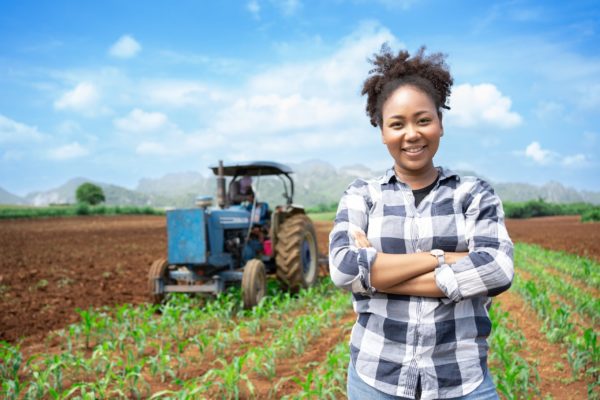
x=429, y=74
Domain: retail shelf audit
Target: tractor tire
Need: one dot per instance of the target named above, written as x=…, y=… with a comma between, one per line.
x=296, y=253
x=254, y=283
x=158, y=277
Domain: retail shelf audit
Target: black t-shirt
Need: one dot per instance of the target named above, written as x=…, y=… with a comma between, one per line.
x=420, y=194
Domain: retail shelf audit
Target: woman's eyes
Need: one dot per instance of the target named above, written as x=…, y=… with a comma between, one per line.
x=400, y=125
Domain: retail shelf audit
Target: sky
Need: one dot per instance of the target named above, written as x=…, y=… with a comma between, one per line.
x=116, y=91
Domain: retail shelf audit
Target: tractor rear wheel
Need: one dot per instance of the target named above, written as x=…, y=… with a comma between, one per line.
x=158, y=277
x=254, y=283
x=296, y=253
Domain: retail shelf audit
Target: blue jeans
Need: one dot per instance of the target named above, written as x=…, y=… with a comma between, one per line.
x=358, y=390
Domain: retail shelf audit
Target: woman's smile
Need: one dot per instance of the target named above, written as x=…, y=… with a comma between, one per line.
x=414, y=150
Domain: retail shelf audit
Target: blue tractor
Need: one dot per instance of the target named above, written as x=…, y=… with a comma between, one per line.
x=240, y=241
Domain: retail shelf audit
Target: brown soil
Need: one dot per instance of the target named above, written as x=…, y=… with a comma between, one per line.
x=564, y=233
x=50, y=267
x=554, y=370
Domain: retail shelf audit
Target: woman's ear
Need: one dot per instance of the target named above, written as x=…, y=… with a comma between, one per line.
x=382, y=136
x=441, y=126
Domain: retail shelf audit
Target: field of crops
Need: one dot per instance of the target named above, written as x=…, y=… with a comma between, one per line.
x=544, y=342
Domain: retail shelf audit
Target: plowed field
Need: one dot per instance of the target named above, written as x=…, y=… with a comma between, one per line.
x=50, y=267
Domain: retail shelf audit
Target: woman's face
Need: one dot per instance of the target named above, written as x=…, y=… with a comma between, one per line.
x=411, y=130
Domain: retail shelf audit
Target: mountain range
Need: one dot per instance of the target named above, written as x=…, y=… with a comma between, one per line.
x=316, y=182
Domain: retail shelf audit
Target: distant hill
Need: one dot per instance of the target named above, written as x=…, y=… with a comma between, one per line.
x=65, y=194
x=316, y=182
x=9, y=198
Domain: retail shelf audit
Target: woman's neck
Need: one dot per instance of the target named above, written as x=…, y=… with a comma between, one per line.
x=417, y=179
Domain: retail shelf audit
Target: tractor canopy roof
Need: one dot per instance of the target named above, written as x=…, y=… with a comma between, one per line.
x=253, y=168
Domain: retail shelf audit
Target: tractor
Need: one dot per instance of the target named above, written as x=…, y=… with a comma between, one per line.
x=241, y=240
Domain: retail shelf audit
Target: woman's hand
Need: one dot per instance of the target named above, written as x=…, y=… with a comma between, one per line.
x=360, y=238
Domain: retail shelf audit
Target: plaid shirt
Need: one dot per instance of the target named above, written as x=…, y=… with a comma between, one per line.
x=397, y=339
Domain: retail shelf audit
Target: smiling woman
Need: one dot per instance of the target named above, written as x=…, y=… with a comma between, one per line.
x=421, y=249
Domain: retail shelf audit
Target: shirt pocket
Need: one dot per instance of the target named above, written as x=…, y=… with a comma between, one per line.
x=448, y=226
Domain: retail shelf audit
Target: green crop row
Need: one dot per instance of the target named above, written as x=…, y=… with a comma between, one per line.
x=514, y=377
x=583, y=301
x=121, y=352
x=199, y=348
x=583, y=269
x=583, y=352
x=73, y=210
x=328, y=379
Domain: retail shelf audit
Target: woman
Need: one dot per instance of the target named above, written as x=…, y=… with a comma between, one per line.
x=421, y=248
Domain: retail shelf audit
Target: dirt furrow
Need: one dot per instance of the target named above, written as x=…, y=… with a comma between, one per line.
x=556, y=376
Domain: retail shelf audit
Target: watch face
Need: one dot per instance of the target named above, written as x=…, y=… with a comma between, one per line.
x=437, y=252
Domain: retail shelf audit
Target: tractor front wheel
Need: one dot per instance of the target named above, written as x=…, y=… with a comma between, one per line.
x=158, y=277
x=254, y=283
x=296, y=253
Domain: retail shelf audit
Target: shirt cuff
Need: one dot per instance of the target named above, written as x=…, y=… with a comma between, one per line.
x=446, y=281
x=362, y=285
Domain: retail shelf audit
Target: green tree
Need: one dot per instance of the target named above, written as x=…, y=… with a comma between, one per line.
x=89, y=193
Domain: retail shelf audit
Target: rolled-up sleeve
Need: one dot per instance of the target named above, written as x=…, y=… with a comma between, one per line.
x=488, y=270
x=350, y=266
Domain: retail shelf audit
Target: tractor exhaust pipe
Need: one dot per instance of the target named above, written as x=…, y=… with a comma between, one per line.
x=221, y=192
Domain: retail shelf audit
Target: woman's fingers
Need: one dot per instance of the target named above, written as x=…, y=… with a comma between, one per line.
x=360, y=239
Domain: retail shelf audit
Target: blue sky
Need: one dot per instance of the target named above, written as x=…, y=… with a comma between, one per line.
x=116, y=91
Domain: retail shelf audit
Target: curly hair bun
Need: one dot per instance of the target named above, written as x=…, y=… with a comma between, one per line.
x=430, y=73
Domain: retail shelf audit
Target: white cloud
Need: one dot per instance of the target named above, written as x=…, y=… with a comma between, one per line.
x=273, y=113
x=83, y=98
x=68, y=127
x=15, y=132
x=322, y=93
x=403, y=4
x=481, y=105
x=138, y=121
x=537, y=154
x=179, y=93
x=254, y=7
x=125, y=47
x=287, y=7
x=542, y=156
x=68, y=152
x=301, y=106
x=576, y=160
x=177, y=143
x=152, y=148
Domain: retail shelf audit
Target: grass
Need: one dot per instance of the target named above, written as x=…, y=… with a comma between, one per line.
x=73, y=210
x=322, y=216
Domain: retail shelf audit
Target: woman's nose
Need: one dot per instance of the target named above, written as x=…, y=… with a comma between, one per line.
x=411, y=132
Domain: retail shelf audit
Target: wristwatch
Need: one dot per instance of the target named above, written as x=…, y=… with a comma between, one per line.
x=439, y=254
